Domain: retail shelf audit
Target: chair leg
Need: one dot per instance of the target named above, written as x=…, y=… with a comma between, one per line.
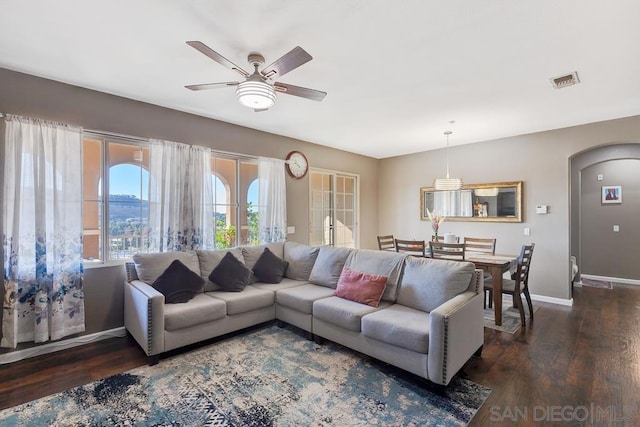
x=490, y=298
x=528, y=297
x=517, y=300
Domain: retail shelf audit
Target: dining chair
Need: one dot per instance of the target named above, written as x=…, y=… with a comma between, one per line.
x=518, y=284
x=412, y=247
x=450, y=251
x=480, y=245
x=386, y=243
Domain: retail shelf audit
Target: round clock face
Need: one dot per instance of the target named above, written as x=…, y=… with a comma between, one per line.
x=297, y=164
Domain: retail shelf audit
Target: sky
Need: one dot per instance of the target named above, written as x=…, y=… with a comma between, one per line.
x=125, y=179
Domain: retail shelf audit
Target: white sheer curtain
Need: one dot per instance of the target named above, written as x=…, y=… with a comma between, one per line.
x=180, y=197
x=453, y=203
x=42, y=223
x=272, y=200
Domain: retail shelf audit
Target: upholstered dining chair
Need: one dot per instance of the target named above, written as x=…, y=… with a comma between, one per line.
x=478, y=245
x=450, y=251
x=386, y=243
x=518, y=284
x=412, y=247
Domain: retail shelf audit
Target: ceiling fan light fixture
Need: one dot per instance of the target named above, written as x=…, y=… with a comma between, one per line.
x=256, y=95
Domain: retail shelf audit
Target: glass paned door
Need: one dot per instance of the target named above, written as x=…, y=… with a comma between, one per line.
x=333, y=209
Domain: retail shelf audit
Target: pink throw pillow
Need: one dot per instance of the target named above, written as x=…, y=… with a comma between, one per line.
x=361, y=287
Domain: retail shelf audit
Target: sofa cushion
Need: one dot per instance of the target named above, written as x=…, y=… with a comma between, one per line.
x=300, y=258
x=428, y=283
x=150, y=266
x=209, y=260
x=201, y=309
x=384, y=263
x=269, y=268
x=301, y=297
x=361, y=287
x=343, y=313
x=178, y=283
x=249, y=299
x=274, y=287
x=400, y=326
x=328, y=266
x=231, y=274
x=252, y=253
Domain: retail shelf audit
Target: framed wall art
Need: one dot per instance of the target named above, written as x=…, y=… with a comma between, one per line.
x=611, y=194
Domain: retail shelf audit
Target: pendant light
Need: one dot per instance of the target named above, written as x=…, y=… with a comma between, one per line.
x=447, y=184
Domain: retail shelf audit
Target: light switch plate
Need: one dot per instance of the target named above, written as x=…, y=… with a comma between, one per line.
x=600, y=177
x=616, y=228
x=527, y=231
x=291, y=229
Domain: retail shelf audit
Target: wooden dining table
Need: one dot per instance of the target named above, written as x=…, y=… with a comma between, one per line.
x=496, y=265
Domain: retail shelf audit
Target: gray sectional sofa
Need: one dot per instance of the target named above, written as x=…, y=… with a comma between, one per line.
x=428, y=321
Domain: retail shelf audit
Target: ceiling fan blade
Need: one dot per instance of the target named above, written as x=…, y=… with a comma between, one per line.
x=303, y=92
x=206, y=86
x=287, y=62
x=203, y=48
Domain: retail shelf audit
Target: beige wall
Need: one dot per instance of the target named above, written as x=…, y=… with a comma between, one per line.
x=541, y=160
x=35, y=97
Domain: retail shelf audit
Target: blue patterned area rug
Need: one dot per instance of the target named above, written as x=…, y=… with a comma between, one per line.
x=264, y=377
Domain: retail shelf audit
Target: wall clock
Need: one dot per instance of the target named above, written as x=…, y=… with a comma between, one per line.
x=297, y=164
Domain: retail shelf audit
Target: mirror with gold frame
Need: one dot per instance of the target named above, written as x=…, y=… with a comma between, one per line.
x=493, y=202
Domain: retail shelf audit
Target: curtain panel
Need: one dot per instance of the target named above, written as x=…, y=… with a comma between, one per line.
x=272, y=200
x=42, y=225
x=180, y=197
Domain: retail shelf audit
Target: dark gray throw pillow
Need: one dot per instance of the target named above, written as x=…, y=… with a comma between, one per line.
x=231, y=274
x=270, y=268
x=178, y=283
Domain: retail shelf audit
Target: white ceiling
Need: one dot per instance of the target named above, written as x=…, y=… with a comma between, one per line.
x=396, y=73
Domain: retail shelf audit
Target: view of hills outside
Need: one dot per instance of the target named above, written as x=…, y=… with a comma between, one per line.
x=128, y=221
x=129, y=213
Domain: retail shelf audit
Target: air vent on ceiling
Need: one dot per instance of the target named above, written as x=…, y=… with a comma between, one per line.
x=565, y=81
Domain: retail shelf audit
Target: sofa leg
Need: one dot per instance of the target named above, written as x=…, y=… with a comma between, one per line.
x=153, y=360
x=310, y=336
x=478, y=352
x=318, y=339
x=280, y=323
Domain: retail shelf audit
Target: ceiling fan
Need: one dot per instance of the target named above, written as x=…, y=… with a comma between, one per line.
x=258, y=91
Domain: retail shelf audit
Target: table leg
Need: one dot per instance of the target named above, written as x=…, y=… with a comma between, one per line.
x=496, y=276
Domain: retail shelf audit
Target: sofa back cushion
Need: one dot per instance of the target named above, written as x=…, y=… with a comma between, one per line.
x=328, y=266
x=428, y=283
x=150, y=266
x=381, y=263
x=301, y=259
x=209, y=260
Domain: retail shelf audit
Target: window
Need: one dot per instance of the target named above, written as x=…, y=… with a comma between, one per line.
x=119, y=169
x=235, y=203
x=116, y=226
x=333, y=209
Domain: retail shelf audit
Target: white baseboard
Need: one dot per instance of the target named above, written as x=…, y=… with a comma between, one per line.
x=552, y=300
x=14, y=356
x=612, y=279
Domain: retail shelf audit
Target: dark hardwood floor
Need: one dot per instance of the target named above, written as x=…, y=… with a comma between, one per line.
x=577, y=365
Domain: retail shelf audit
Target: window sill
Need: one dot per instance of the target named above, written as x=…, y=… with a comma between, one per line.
x=90, y=265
